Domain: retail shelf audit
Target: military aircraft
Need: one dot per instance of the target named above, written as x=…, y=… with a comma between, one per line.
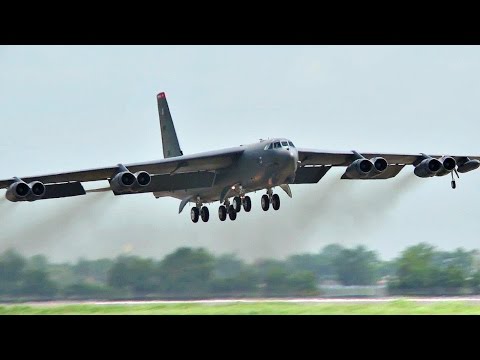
x=231, y=173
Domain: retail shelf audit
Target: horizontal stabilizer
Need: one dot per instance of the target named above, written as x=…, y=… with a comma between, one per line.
x=310, y=174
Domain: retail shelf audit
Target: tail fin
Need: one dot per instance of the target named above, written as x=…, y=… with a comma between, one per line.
x=171, y=147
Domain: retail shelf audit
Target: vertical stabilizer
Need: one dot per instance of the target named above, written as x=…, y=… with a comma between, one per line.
x=171, y=147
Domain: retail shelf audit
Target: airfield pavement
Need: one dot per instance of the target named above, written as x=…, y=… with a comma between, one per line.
x=427, y=300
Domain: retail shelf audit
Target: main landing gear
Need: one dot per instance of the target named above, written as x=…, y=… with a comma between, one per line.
x=223, y=211
x=203, y=213
x=232, y=209
x=270, y=198
x=228, y=209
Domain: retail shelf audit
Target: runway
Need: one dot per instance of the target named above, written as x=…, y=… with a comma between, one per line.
x=470, y=299
x=298, y=301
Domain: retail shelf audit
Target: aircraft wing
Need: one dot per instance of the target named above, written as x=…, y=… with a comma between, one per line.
x=203, y=162
x=315, y=163
x=345, y=158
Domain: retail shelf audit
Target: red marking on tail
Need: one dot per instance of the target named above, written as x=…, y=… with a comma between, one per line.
x=161, y=95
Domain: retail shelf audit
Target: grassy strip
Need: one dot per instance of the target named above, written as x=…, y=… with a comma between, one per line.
x=396, y=307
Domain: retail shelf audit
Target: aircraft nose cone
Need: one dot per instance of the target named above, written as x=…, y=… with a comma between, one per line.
x=293, y=155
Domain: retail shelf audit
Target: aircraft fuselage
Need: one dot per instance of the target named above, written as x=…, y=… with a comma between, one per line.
x=256, y=169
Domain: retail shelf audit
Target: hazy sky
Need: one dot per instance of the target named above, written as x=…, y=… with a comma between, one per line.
x=75, y=107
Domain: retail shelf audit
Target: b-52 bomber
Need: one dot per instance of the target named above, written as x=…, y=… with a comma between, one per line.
x=228, y=175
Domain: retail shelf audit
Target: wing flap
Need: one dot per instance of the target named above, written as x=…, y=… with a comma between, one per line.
x=56, y=191
x=310, y=174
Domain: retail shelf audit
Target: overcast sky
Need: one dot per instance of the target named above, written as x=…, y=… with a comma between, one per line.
x=75, y=107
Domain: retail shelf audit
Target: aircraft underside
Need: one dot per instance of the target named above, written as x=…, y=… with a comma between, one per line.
x=229, y=175
x=230, y=205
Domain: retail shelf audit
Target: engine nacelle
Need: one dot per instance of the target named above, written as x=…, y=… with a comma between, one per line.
x=469, y=165
x=123, y=181
x=359, y=169
x=128, y=182
x=37, y=190
x=21, y=191
x=143, y=178
x=428, y=168
x=379, y=165
x=448, y=165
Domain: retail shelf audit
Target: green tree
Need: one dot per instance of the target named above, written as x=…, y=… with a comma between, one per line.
x=92, y=270
x=228, y=266
x=475, y=282
x=357, y=266
x=186, y=271
x=302, y=283
x=12, y=265
x=276, y=281
x=415, y=267
x=38, y=262
x=37, y=283
x=132, y=273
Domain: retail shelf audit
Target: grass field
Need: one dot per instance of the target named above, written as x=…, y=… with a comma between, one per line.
x=396, y=307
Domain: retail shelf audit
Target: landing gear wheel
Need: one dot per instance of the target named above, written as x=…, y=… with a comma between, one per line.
x=194, y=213
x=265, y=202
x=232, y=214
x=454, y=184
x=205, y=214
x=275, y=202
x=237, y=203
x=222, y=213
x=247, y=204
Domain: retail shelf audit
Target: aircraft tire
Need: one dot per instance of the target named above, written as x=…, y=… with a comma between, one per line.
x=232, y=214
x=222, y=212
x=237, y=203
x=194, y=213
x=275, y=202
x=247, y=204
x=205, y=214
x=265, y=201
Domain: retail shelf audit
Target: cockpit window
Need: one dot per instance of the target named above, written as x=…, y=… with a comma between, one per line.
x=277, y=145
x=291, y=144
x=284, y=143
x=269, y=146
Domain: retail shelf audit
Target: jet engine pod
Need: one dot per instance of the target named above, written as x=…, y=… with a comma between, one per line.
x=37, y=190
x=359, y=169
x=379, y=165
x=18, y=191
x=21, y=191
x=469, y=165
x=143, y=178
x=448, y=165
x=428, y=168
x=123, y=181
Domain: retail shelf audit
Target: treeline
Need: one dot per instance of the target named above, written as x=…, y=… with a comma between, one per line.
x=196, y=273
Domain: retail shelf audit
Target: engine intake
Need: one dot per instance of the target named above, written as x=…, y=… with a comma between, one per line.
x=21, y=191
x=428, y=168
x=126, y=182
x=379, y=165
x=143, y=178
x=448, y=165
x=37, y=189
x=359, y=169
